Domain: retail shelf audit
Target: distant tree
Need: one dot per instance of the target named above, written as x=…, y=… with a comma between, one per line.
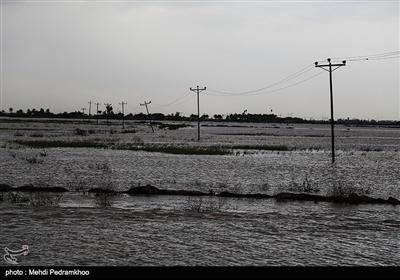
x=193, y=117
x=108, y=112
x=204, y=117
x=11, y=110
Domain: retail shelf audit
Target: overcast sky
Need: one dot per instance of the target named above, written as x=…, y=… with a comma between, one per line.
x=250, y=55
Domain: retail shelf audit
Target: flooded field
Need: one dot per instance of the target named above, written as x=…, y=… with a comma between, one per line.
x=210, y=231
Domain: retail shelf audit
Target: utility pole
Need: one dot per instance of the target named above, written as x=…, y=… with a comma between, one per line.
x=123, y=115
x=83, y=114
x=198, y=90
x=90, y=107
x=97, y=112
x=330, y=70
x=147, y=109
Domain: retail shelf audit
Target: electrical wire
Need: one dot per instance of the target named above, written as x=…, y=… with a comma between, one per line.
x=173, y=103
x=388, y=55
x=295, y=75
x=184, y=97
x=265, y=92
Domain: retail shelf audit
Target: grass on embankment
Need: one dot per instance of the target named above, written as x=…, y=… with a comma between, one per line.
x=161, y=148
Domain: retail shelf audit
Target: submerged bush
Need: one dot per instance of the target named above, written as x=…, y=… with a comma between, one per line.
x=35, y=198
x=306, y=186
x=340, y=190
x=104, y=196
x=104, y=199
x=203, y=204
x=39, y=198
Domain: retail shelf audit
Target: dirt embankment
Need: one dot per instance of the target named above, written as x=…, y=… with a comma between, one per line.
x=353, y=198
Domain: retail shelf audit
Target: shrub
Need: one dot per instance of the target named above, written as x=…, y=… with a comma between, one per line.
x=80, y=132
x=104, y=199
x=307, y=186
x=38, y=198
x=33, y=159
x=340, y=190
x=14, y=197
x=265, y=187
x=105, y=196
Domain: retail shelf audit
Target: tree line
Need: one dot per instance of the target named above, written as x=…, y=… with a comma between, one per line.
x=109, y=114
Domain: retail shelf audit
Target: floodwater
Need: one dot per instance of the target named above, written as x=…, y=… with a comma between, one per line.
x=208, y=231
x=246, y=233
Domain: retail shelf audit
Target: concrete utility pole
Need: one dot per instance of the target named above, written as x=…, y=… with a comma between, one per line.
x=198, y=90
x=330, y=70
x=97, y=112
x=83, y=114
x=147, y=109
x=123, y=114
x=90, y=107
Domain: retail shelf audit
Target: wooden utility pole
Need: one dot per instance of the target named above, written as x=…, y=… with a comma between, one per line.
x=198, y=90
x=330, y=70
x=123, y=114
x=147, y=109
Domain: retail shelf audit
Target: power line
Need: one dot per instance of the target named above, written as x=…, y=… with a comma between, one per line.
x=295, y=75
x=174, y=103
x=265, y=92
x=388, y=55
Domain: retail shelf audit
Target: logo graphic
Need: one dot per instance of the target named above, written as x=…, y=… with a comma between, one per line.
x=10, y=255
